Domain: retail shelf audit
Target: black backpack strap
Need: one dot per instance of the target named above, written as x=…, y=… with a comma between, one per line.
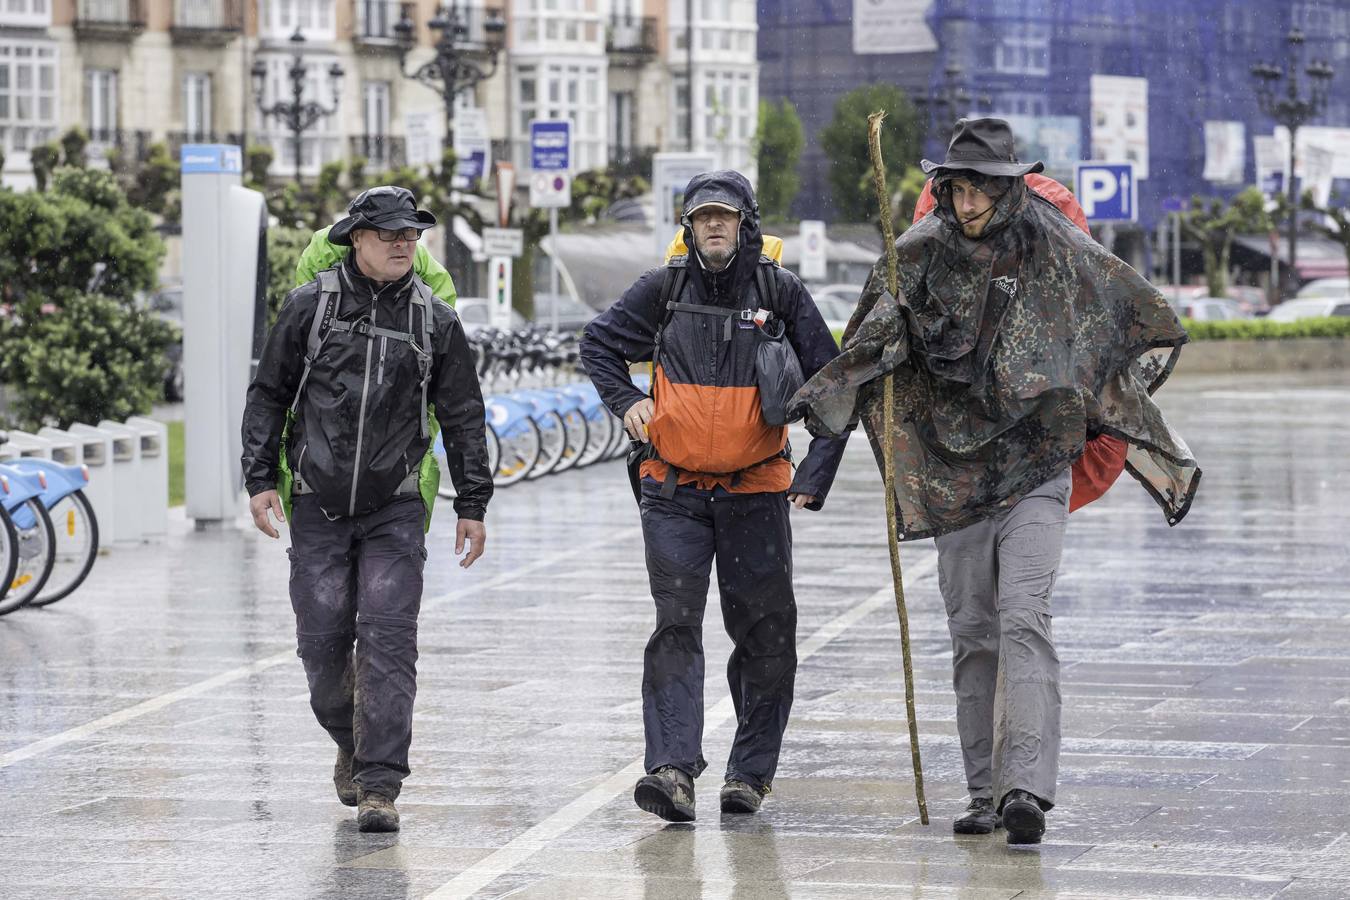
x=672, y=288
x=329, y=293
x=424, y=353
x=766, y=284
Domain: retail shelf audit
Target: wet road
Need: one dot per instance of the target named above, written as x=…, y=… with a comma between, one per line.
x=155, y=737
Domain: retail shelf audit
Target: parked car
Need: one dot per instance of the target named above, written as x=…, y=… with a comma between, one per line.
x=1251, y=300
x=1310, y=308
x=167, y=304
x=1325, y=287
x=572, y=315
x=476, y=315
x=1212, y=309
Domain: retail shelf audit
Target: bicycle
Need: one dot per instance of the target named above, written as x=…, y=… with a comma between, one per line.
x=34, y=536
x=74, y=522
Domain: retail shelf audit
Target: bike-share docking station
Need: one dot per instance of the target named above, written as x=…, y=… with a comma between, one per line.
x=224, y=315
x=128, y=468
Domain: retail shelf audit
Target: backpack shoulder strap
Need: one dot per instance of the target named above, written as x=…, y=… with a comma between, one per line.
x=672, y=287
x=329, y=292
x=766, y=283
x=424, y=357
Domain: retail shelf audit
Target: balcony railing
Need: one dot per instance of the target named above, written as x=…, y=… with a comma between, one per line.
x=627, y=160
x=133, y=145
x=109, y=18
x=631, y=34
x=375, y=20
x=381, y=151
x=207, y=21
x=176, y=139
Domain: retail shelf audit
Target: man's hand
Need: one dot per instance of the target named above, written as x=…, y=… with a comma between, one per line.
x=801, y=500
x=475, y=534
x=636, y=419
x=258, y=506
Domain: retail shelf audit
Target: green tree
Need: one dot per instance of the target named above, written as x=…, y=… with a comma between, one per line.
x=45, y=158
x=1212, y=223
x=844, y=141
x=779, y=140
x=73, y=144
x=1333, y=221
x=84, y=357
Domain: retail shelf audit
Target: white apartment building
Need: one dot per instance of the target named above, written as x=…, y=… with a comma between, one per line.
x=134, y=72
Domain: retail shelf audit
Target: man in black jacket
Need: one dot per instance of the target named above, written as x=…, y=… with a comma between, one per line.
x=355, y=364
x=717, y=482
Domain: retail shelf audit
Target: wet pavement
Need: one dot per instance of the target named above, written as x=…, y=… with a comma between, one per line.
x=156, y=741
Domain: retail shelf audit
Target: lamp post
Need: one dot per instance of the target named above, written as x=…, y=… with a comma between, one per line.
x=950, y=101
x=1293, y=110
x=461, y=60
x=296, y=115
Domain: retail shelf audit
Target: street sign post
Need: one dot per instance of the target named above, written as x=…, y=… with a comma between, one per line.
x=472, y=145
x=503, y=242
x=551, y=145
x=551, y=183
x=550, y=190
x=1108, y=192
x=813, y=250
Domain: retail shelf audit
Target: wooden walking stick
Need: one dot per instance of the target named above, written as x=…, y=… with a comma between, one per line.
x=888, y=453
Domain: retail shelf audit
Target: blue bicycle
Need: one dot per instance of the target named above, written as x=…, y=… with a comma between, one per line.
x=74, y=523
x=34, y=539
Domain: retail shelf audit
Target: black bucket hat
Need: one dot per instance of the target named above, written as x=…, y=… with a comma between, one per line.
x=984, y=146
x=385, y=207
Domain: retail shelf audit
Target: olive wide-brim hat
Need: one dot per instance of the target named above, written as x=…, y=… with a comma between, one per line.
x=385, y=207
x=984, y=146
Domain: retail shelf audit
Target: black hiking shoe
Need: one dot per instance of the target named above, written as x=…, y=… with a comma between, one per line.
x=1023, y=818
x=342, y=779
x=740, y=797
x=668, y=793
x=376, y=813
x=979, y=818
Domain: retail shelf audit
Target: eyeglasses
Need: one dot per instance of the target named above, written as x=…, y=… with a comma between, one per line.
x=402, y=234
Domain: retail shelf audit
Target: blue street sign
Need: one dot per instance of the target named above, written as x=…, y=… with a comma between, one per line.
x=551, y=145
x=1174, y=203
x=1107, y=191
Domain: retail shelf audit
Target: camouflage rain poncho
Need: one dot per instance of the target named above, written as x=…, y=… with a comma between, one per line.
x=1007, y=352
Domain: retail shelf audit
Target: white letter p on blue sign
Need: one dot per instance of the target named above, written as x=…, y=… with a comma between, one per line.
x=1107, y=191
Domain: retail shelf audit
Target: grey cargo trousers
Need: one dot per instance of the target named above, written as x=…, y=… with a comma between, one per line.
x=996, y=577
x=356, y=588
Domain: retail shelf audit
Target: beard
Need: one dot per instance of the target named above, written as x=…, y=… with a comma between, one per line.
x=717, y=260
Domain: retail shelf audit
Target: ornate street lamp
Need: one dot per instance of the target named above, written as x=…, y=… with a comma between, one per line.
x=460, y=62
x=950, y=101
x=1292, y=110
x=296, y=115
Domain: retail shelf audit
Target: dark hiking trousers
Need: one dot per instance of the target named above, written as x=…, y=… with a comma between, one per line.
x=751, y=539
x=358, y=582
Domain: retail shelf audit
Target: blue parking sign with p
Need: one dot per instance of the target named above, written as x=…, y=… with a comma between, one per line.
x=1107, y=191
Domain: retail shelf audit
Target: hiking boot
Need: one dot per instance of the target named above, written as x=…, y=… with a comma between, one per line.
x=980, y=818
x=740, y=797
x=342, y=778
x=1023, y=818
x=376, y=813
x=668, y=793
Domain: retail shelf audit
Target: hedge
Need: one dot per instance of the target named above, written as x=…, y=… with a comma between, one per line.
x=1256, y=329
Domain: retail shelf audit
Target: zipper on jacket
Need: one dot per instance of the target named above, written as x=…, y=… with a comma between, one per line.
x=300, y=461
x=379, y=375
x=361, y=417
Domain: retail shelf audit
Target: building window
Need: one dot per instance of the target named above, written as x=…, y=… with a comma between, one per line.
x=564, y=91
x=730, y=104
x=375, y=96
x=197, y=106
x=1020, y=104
x=1024, y=49
x=28, y=98
x=100, y=105
x=26, y=13
x=314, y=18
x=554, y=22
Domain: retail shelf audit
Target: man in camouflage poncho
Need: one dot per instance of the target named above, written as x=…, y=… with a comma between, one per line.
x=1015, y=339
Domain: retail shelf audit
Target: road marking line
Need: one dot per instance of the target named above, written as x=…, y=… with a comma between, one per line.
x=154, y=704
x=538, y=837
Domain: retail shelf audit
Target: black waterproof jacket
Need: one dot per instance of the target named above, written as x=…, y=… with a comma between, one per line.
x=626, y=332
x=358, y=430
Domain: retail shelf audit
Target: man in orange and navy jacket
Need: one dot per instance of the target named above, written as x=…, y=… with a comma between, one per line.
x=717, y=483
